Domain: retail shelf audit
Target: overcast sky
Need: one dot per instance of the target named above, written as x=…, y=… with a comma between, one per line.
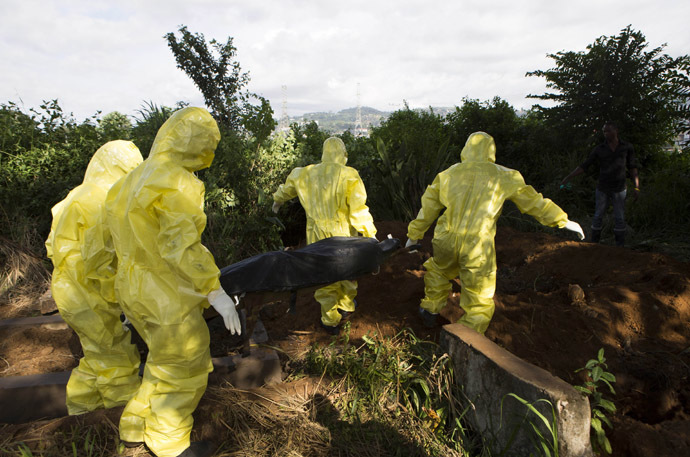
x=111, y=55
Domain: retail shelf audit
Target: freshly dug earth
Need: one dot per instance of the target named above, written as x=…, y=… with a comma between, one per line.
x=557, y=303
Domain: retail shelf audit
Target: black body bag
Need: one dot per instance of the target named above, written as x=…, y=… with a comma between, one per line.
x=320, y=263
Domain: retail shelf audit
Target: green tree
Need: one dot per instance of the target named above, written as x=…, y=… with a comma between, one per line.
x=497, y=118
x=219, y=77
x=412, y=147
x=308, y=142
x=115, y=126
x=409, y=131
x=644, y=91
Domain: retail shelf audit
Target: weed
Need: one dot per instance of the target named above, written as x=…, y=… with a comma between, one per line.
x=547, y=444
x=597, y=375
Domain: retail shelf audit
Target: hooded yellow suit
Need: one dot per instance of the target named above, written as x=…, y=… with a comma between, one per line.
x=472, y=193
x=156, y=216
x=84, y=264
x=334, y=199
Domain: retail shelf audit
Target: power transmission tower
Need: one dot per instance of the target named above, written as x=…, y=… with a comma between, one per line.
x=284, y=120
x=359, y=129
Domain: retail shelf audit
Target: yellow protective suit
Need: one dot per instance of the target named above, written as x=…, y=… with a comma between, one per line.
x=82, y=285
x=334, y=199
x=156, y=216
x=472, y=193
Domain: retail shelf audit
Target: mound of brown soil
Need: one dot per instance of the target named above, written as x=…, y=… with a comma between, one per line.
x=557, y=303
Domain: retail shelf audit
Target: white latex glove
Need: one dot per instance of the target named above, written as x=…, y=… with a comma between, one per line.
x=411, y=243
x=276, y=207
x=575, y=227
x=225, y=306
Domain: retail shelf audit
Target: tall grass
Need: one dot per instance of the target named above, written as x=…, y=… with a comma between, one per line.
x=403, y=382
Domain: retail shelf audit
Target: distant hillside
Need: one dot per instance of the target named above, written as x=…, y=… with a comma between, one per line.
x=345, y=119
x=342, y=120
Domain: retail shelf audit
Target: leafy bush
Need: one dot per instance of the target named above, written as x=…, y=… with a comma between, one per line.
x=239, y=187
x=44, y=155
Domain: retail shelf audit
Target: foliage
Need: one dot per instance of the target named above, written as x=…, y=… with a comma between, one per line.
x=258, y=120
x=404, y=180
x=214, y=71
x=596, y=376
x=664, y=196
x=546, y=444
x=404, y=380
x=218, y=76
x=308, y=142
x=412, y=148
x=239, y=186
x=420, y=130
x=115, y=126
x=496, y=117
x=18, y=130
x=617, y=79
x=151, y=118
x=44, y=155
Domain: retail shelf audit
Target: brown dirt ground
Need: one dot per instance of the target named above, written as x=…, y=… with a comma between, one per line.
x=636, y=306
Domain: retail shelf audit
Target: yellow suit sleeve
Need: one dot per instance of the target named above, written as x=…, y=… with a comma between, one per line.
x=428, y=213
x=182, y=221
x=360, y=217
x=288, y=191
x=529, y=201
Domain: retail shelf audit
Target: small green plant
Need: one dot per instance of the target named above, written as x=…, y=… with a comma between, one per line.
x=545, y=443
x=596, y=377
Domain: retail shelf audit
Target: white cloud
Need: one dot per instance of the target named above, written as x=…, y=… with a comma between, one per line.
x=98, y=55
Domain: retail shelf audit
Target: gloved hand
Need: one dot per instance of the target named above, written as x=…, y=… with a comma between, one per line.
x=411, y=243
x=575, y=227
x=225, y=306
x=276, y=207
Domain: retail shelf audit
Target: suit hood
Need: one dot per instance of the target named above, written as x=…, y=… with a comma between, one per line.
x=480, y=147
x=188, y=138
x=334, y=151
x=112, y=161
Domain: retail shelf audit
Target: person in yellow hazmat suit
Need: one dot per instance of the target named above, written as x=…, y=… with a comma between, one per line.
x=471, y=194
x=82, y=283
x=334, y=199
x=165, y=279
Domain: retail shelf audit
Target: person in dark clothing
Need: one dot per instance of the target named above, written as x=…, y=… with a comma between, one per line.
x=614, y=156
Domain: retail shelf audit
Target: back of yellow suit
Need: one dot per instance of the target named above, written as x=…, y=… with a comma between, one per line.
x=84, y=262
x=334, y=199
x=472, y=193
x=156, y=216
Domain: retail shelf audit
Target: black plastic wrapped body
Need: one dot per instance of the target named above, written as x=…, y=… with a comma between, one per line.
x=324, y=262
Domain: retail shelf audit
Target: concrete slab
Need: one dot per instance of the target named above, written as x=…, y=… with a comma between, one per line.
x=53, y=322
x=489, y=373
x=35, y=397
